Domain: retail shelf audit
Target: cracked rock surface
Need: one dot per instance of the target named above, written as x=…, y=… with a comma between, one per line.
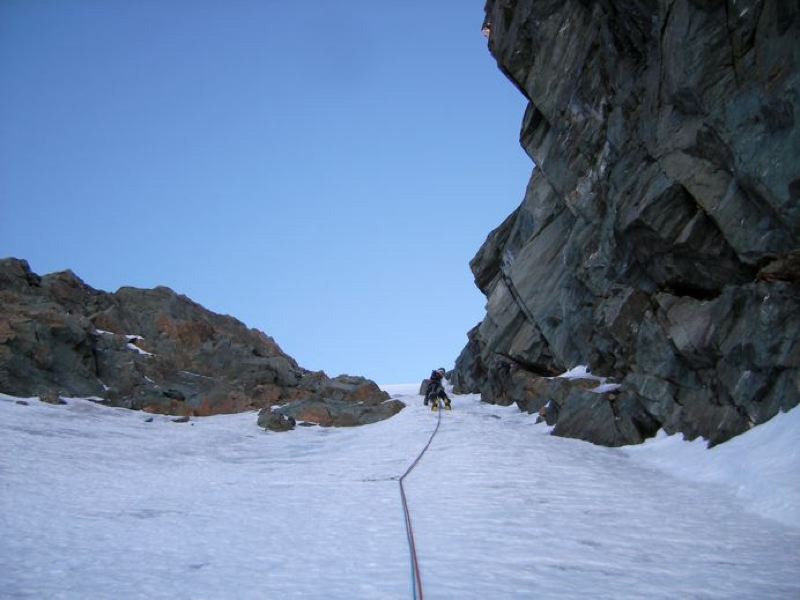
x=657, y=242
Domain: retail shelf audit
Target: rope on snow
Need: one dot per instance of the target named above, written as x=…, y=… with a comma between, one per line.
x=416, y=579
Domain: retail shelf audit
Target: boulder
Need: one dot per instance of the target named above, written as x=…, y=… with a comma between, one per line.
x=339, y=413
x=602, y=418
x=51, y=397
x=275, y=421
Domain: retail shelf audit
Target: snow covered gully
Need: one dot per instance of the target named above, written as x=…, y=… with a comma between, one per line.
x=96, y=502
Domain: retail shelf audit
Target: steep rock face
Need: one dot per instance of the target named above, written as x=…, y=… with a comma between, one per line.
x=152, y=350
x=658, y=238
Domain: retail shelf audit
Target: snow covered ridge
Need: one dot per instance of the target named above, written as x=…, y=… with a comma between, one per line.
x=115, y=506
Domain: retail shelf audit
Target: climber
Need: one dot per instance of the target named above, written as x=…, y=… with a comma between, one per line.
x=435, y=390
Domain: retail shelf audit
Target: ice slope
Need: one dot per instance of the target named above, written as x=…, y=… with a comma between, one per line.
x=97, y=503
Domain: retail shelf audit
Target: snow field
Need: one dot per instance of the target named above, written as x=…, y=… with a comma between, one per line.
x=97, y=503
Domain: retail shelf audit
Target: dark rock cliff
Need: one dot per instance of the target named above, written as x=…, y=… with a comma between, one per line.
x=657, y=242
x=155, y=350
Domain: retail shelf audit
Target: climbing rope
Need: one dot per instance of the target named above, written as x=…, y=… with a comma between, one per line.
x=416, y=579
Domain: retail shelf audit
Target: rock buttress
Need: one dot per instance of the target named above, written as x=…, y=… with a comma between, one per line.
x=658, y=238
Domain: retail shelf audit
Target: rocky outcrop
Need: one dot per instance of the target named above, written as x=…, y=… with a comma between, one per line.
x=658, y=239
x=274, y=421
x=344, y=401
x=147, y=349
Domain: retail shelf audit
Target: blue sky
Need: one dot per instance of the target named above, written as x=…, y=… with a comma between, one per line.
x=321, y=171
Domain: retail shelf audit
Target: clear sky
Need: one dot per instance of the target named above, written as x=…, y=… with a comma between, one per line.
x=322, y=171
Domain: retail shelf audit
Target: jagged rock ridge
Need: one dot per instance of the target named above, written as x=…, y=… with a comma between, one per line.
x=155, y=350
x=658, y=238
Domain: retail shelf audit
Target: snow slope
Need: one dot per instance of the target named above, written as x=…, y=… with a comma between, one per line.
x=96, y=502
